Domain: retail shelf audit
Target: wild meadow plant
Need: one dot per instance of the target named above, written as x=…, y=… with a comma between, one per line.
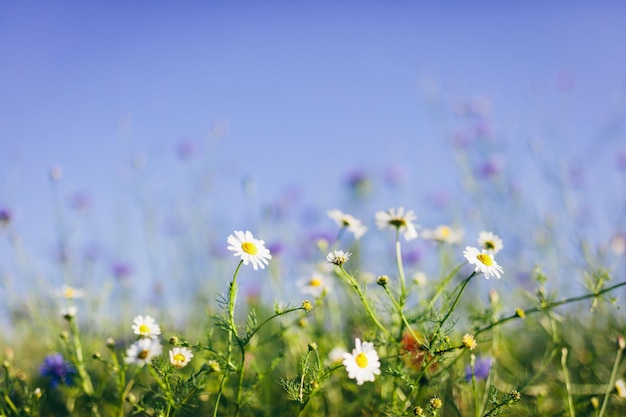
x=396, y=347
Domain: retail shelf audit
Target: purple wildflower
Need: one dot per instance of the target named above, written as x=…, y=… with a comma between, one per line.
x=482, y=366
x=5, y=216
x=57, y=369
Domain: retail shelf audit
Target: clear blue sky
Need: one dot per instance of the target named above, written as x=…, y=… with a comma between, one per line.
x=305, y=91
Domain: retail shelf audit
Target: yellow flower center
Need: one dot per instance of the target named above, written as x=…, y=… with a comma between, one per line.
x=143, y=329
x=179, y=357
x=143, y=354
x=249, y=248
x=444, y=231
x=315, y=282
x=361, y=360
x=69, y=292
x=485, y=259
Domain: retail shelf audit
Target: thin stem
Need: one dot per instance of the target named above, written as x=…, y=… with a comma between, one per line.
x=610, y=385
x=400, y=268
x=456, y=300
x=368, y=309
x=232, y=331
x=401, y=314
x=549, y=306
x=568, y=385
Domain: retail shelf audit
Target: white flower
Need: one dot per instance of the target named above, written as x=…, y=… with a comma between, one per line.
x=69, y=293
x=142, y=351
x=483, y=261
x=316, y=285
x=490, y=242
x=338, y=257
x=400, y=220
x=444, y=234
x=363, y=363
x=335, y=356
x=355, y=226
x=69, y=312
x=146, y=327
x=180, y=356
x=250, y=250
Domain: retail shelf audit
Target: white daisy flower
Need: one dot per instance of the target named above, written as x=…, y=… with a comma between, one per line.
x=398, y=219
x=483, y=261
x=250, y=250
x=355, y=226
x=362, y=364
x=490, y=242
x=69, y=293
x=338, y=257
x=180, y=356
x=142, y=351
x=315, y=285
x=146, y=327
x=444, y=234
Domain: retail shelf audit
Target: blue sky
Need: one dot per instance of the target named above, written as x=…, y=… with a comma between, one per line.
x=300, y=92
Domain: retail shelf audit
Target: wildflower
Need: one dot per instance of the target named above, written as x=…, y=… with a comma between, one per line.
x=70, y=293
x=338, y=257
x=490, y=242
x=142, y=351
x=620, y=386
x=57, y=369
x=68, y=313
x=353, y=225
x=400, y=220
x=307, y=306
x=180, y=356
x=444, y=234
x=382, y=280
x=316, y=285
x=520, y=313
x=146, y=327
x=250, y=249
x=363, y=363
x=483, y=261
x=436, y=403
x=469, y=342
x=419, y=278
x=481, y=368
x=5, y=217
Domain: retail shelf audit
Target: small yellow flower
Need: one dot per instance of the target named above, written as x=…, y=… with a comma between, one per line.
x=469, y=342
x=520, y=313
x=436, y=403
x=307, y=306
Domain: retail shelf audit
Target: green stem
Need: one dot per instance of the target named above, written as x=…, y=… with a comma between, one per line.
x=400, y=268
x=368, y=309
x=456, y=300
x=402, y=315
x=549, y=306
x=232, y=331
x=611, y=384
x=568, y=386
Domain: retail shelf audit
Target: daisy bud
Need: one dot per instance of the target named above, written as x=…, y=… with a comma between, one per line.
x=382, y=280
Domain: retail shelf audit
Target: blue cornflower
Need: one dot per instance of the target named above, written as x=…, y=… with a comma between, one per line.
x=482, y=366
x=57, y=369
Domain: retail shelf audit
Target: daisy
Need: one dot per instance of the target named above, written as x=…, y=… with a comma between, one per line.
x=490, y=242
x=398, y=219
x=483, y=261
x=146, y=327
x=338, y=257
x=69, y=293
x=250, y=249
x=362, y=364
x=142, y=351
x=316, y=285
x=444, y=234
x=353, y=225
x=180, y=356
